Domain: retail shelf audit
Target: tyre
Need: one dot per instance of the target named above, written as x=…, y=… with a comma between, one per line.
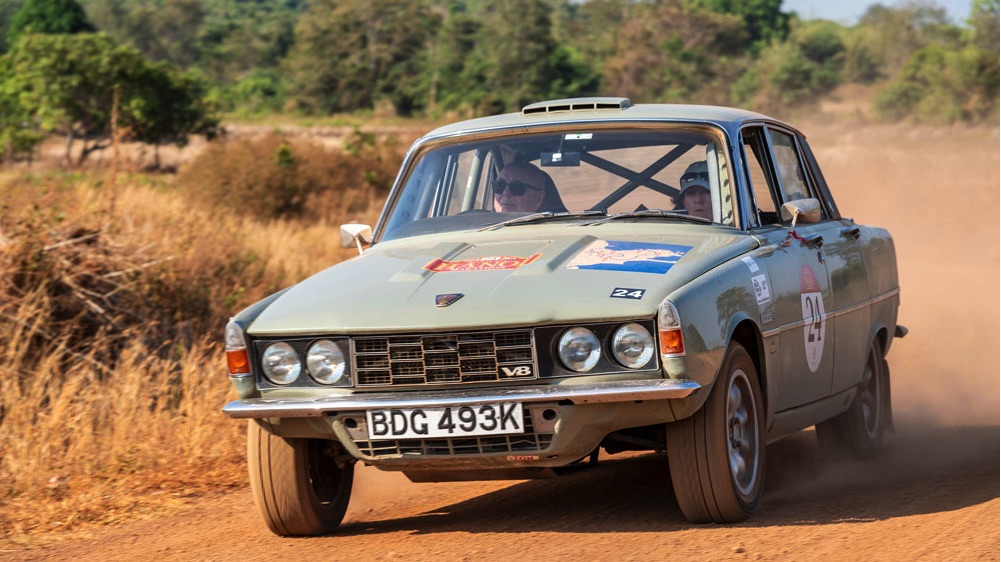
x=858, y=432
x=717, y=455
x=300, y=486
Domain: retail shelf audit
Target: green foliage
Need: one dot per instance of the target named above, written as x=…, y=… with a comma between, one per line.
x=943, y=85
x=670, y=51
x=73, y=84
x=951, y=77
x=764, y=21
x=474, y=57
x=794, y=72
x=223, y=38
x=48, y=16
x=983, y=22
x=348, y=54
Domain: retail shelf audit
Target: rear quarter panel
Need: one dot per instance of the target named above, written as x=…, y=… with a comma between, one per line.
x=880, y=258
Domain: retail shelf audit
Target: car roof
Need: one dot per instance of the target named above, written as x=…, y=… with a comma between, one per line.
x=599, y=109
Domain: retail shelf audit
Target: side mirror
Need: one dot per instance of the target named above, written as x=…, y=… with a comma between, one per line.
x=802, y=210
x=355, y=235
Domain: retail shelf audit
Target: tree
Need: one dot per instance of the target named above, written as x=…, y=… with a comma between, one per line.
x=983, y=22
x=794, y=72
x=48, y=16
x=892, y=35
x=763, y=20
x=514, y=47
x=673, y=51
x=72, y=83
x=350, y=54
x=18, y=133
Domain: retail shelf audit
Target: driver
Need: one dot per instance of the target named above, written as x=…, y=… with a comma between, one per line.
x=695, y=197
x=519, y=187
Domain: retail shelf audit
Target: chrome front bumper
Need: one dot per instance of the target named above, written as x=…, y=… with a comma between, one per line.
x=622, y=391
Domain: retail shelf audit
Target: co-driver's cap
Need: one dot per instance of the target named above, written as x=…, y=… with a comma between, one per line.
x=697, y=174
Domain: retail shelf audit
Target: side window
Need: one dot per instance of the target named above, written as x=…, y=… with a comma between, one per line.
x=756, y=160
x=792, y=178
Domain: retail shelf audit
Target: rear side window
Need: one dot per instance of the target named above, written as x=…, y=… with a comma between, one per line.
x=788, y=166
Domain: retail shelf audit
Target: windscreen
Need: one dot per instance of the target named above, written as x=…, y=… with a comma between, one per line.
x=471, y=185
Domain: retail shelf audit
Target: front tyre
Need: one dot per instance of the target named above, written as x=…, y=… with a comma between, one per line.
x=300, y=486
x=717, y=455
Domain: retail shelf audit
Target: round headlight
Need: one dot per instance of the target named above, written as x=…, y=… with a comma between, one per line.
x=280, y=363
x=579, y=349
x=325, y=362
x=632, y=345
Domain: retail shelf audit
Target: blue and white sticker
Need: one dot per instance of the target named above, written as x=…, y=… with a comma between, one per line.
x=618, y=255
x=627, y=293
x=750, y=263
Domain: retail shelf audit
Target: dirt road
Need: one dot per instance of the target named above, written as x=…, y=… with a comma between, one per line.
x=932, y=496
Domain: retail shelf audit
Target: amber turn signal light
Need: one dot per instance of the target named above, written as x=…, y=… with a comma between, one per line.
x=671, y=342
x=238, y=362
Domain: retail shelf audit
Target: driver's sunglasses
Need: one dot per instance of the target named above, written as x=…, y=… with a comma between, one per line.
x=692, y=176
x=517, y=188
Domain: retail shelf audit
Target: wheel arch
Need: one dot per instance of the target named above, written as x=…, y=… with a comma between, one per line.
x=747, y=334
x=883, y=335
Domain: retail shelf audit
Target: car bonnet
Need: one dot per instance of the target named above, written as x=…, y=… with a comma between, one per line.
x=479, y=280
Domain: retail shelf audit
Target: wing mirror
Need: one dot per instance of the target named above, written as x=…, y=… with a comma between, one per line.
x=802, y=210
x=355, y=235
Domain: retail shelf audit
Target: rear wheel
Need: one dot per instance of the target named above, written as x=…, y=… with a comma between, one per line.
x=858, y=432
x=300, y=486
x=717, y=455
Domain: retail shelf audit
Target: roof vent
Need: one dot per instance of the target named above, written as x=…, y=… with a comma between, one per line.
x=577, y=104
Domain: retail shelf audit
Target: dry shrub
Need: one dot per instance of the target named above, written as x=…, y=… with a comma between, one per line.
x=278, y=176
x=111, y=377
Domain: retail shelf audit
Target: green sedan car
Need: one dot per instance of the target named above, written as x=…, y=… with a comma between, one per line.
x=586, y=274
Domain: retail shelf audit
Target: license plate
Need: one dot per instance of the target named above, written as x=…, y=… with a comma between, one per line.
x=450, y=421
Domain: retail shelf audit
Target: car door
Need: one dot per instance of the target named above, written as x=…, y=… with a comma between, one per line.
x=793, y=273
x=842, y=250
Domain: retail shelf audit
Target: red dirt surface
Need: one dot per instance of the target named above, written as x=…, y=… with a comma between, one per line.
x=932, y=496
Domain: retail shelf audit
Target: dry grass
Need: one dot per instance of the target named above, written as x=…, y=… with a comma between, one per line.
x=111, y=376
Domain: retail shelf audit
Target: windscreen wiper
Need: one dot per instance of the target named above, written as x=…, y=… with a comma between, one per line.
x=654, y=213
x=546, y=216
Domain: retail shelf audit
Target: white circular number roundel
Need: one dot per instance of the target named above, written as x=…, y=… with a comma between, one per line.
x=814, y=318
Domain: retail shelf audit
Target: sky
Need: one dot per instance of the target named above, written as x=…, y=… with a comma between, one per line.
x=848, y=11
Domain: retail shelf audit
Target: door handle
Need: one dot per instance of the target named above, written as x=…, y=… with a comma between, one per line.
x=851, y=232
x=815, y=241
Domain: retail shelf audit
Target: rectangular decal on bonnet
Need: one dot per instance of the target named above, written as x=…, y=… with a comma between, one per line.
x=480, y=264
x=613, y=255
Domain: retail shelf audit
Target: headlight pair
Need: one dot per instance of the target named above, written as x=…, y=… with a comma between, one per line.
x=324, y=362
x=632, y=346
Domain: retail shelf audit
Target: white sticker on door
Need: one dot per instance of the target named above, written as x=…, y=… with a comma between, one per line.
x=814, y=318
x=761, y=291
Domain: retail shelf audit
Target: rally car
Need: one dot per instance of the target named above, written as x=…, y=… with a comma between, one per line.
x=584, y=275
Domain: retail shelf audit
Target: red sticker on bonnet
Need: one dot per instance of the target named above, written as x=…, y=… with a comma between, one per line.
x=480, y=264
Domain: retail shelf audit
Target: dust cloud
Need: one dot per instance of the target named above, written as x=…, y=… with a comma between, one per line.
x=937, y=191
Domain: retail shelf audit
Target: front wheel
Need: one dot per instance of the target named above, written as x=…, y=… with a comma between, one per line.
x=858, y=432
x=717, y=455
x=300, y=486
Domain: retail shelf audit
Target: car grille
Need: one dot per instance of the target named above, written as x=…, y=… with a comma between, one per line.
x=452, y=446
x=444, y=358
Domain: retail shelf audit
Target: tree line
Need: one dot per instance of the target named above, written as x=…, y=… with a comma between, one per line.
x=175, y=65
